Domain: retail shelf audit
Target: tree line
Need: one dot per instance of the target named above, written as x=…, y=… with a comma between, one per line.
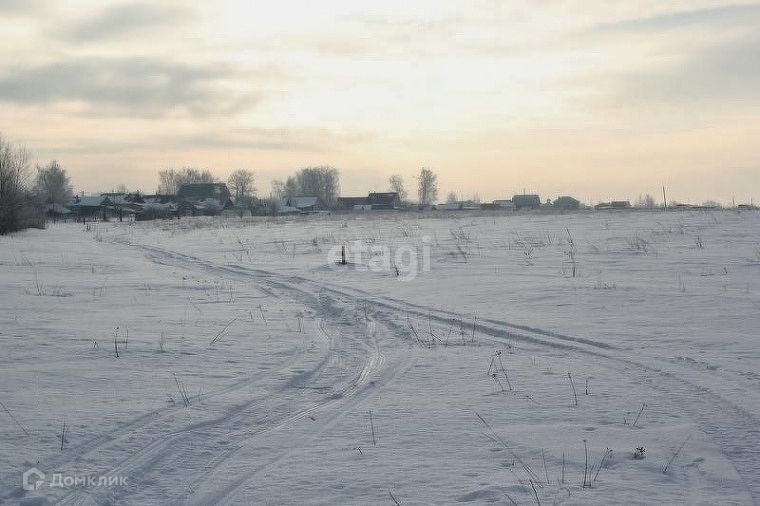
x=23, y=195
x=318, y=181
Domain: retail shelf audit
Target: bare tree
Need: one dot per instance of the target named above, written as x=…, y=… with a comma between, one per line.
x=291, y=187
x=171, y=180
x=451, y=198
x=322, y=181
x=52, y=185
x=427, y=189
x=278, y=189
x=16, y=207
x=241, y=184
x=396, y=184
x=646, y=201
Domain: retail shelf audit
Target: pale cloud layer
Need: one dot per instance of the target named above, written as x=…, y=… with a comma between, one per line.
x=597, y=99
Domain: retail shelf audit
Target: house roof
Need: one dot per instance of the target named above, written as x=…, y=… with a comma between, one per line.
x=160, y=198
x=302, y=202
x=89, y=201
x=201, y=191
x=390, y=199
x=526, y=200
x=120, y=200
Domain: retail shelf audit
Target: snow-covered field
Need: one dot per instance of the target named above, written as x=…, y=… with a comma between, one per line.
x=248, y=362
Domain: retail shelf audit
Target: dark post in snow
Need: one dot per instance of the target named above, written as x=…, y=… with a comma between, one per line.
x=343, y=255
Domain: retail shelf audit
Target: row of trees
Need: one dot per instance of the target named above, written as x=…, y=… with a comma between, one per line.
x=427, y=187
x=240, y=182
x=22, y=197
x=322, y=181
x=170, y=180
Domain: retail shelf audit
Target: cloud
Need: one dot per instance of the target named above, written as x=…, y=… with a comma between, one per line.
x=127, y=86
x=744, y=14
x=292, y=139
x=17, y=6
x=729, y=72
x=120, y=20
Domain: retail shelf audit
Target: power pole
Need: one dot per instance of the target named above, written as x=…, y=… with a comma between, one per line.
x=664, y=200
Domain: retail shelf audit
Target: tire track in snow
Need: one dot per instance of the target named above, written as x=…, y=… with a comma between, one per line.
x=137, y=425
x=148, y=457
x=735, y=430
x=227, y=425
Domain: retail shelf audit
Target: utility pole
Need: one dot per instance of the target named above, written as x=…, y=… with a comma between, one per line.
x=664, y=200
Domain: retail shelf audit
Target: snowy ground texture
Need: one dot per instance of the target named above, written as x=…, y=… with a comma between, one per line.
x=248, y=363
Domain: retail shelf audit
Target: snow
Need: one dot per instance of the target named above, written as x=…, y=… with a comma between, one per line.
x=282, y=355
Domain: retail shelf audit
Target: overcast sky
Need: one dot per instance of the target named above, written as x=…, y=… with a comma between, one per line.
x=597, y=99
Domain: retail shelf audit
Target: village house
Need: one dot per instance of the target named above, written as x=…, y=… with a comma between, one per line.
x=566, y=203
x=615, y=204
x=90, y=207
x=203, y=198
x=373, y=201
x=526, y=201
x=503, y=204
x=301, y=204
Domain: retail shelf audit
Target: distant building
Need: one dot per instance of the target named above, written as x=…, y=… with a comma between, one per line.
x=91, y=207
x=354, y=203
x=160, y=199
x=201, y=192
x=526, y=202
x=503, y=204
x=384, y=200
x=157, y=206
x=460, y=205
x=203, y=198
x=301, y=204
x=615, y=204
x=374, y=201
x=567, y=203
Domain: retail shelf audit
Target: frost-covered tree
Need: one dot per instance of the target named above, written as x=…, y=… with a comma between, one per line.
x=396, y=184
x=16, y=208
x=427, y=187
x=52, y=184
x=646, y=201
x=170, y=180
x=278, y=189
x=322, y=181
x=241, y=184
